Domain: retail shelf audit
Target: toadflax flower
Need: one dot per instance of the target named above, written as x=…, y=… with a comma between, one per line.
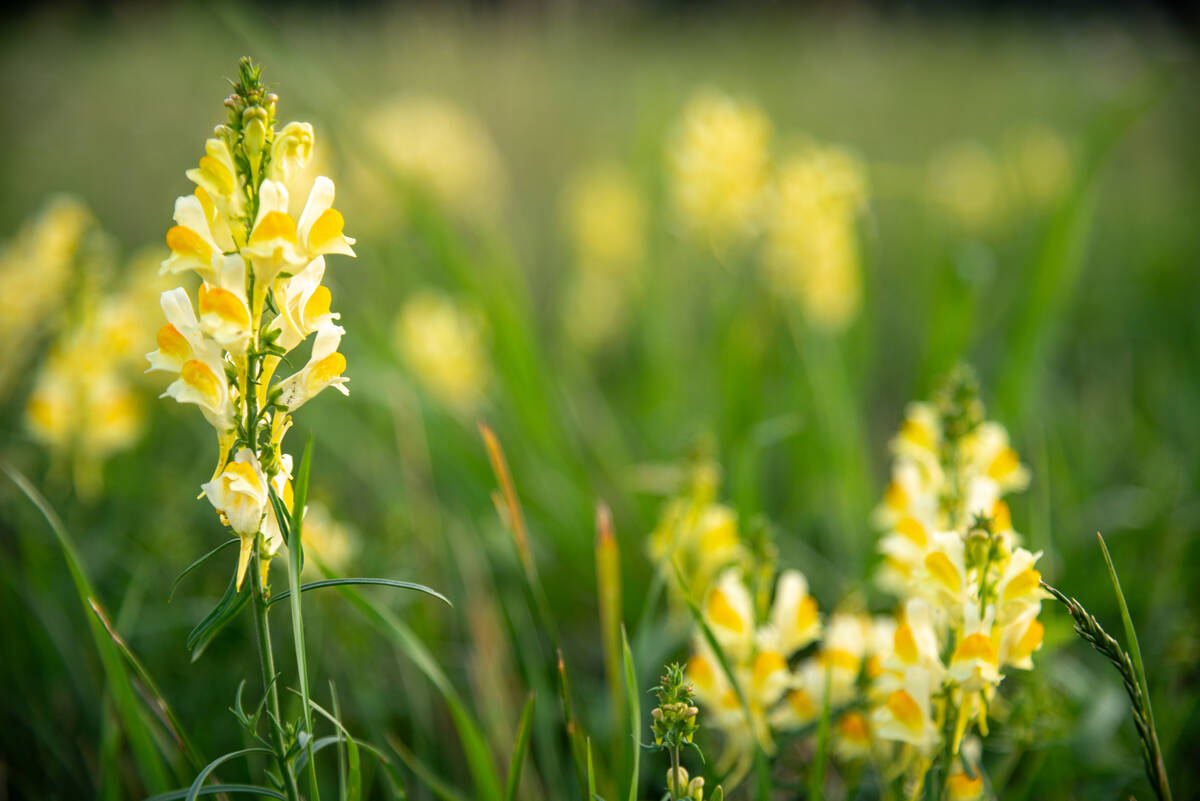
x=260, y=297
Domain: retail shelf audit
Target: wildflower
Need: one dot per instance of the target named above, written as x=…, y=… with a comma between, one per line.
x=965, y=182
x=606, y=220
x=719, y=159
x=698, y=536
x=239, y=494
x=327, y=540
x=811, y=248
x=969, y=593
x=260, y=298
x=442, y=150
x=1043, y=164
x=83, y=406
x=35, y=270
x=442, y=342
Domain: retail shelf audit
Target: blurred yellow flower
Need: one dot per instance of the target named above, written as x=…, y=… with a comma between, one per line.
x=329, y=540
x=35, y=269
x=1043, y=164
x=443, y=344
x=966, y=182
x=719, y=164
x=442, y=149
x=605, y=218
x=812, y=247
x=83, y=405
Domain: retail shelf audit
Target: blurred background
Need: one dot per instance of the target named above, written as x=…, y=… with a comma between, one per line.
x=588, y=228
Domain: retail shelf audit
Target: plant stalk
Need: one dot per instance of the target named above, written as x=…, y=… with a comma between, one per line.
x=266, y=661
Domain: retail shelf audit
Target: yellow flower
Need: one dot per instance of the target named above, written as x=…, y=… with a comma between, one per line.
x=320, y=227
x=794, y=613
x=719, y=161
x=218, y=176
x=290, y=151
x=239, y=494
x=443, y=150
x=1043, y=163
x=729, y=613
x=812, y=249
x=303, y=305
x=327, y=539
x=965, y=181
x=35, y=268
x=324, y=369
x=605, y=217
x=906, y=715
x=442, y=343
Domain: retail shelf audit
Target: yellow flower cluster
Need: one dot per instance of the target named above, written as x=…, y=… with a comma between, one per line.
x=605, y=218
x=443, y=344
x=969, y=594
x=443, y=150
x=35, y=270
x=84, y=405
x=259, y=298
x=720, y=161
x=726, y=189
x=812, y=245
x=980, y=190
x=903, y=688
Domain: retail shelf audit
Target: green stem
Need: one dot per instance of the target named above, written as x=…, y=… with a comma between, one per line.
x=266, y=661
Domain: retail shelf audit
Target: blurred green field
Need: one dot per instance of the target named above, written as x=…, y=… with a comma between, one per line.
x=1079, y=315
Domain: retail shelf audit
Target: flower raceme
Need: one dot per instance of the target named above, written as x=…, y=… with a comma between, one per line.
x=260, y=297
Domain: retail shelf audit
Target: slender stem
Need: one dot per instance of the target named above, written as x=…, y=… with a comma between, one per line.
x=266, y=660
x=671, y=787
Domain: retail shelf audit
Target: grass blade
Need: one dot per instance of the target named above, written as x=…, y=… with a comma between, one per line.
x=479, y=762
x=1090, y=630
x=149, y=762
x=404, y=585
x=222, y=615
x=634, y=699
x=519, y=750
x=608, y=588
x=353, y=758
x=816, y=779
x=215, y=789
x=1135, y=651
x=295, y=557
x=198, y=562
x=197, y=785
x=160, y=706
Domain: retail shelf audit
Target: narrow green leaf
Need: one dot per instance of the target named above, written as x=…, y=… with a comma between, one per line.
x=816, y=778
x=221, y=616
x=1135, y=650
x=197, y=785
x=518, y=755
x=198, y=562
x=147, y=758
x=354, y=768
x=160, y=706
x=479, y=761
x=591, y=774
x=633, y=697
x=214, y=789
x=722, y=660
x=295, y=562
x=404, y=585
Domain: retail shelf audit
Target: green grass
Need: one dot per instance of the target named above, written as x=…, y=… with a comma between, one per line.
x=1079, y=318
